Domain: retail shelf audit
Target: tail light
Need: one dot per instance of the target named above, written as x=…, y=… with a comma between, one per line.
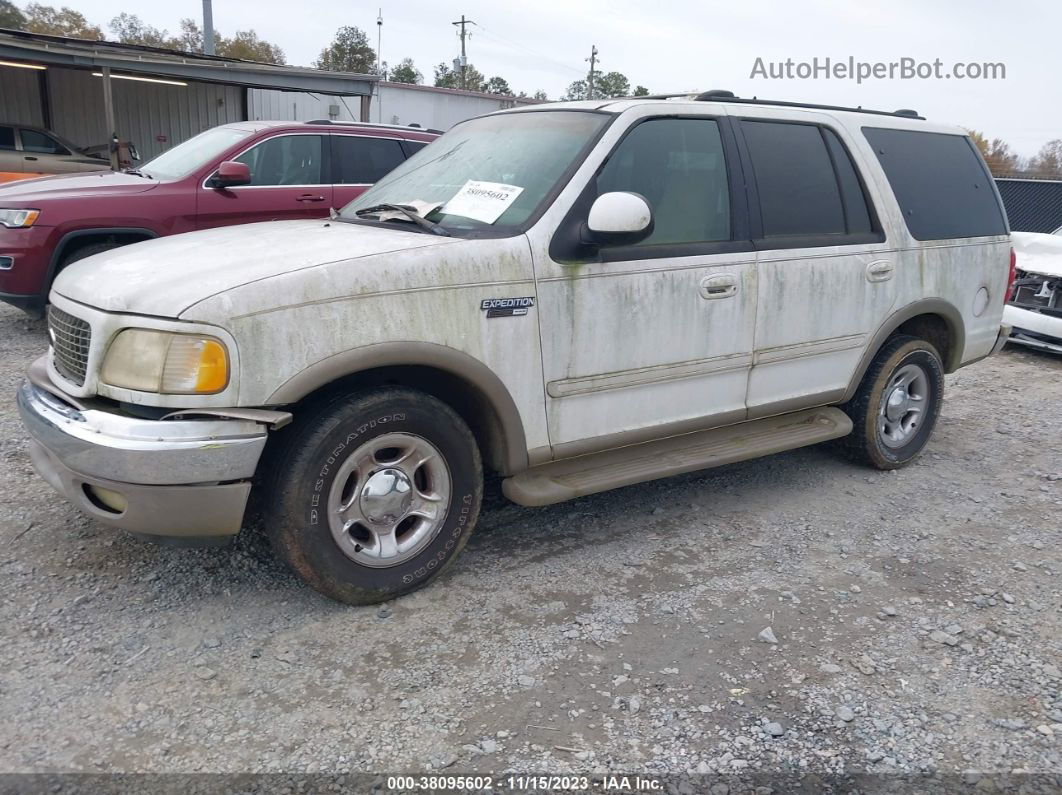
x=1009, y=294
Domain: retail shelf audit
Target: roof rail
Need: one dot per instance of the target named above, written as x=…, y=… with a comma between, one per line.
x=374, y=124
x=719, y=95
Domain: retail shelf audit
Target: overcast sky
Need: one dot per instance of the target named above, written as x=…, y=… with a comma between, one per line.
x=671, y=45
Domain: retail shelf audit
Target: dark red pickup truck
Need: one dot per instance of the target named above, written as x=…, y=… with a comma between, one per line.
x=233, y=174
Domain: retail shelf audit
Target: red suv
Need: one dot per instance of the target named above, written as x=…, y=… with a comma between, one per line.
x=233, y=174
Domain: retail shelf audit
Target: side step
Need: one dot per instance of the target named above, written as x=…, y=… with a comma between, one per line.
x=589, y=474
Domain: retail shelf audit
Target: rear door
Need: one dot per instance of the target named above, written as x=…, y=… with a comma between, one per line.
x=360, y=160
x=290, y=178
x=10, y=158
x=825, y=273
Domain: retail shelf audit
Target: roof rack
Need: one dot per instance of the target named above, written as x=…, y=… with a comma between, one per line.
x=413, y=126
x=720, y=95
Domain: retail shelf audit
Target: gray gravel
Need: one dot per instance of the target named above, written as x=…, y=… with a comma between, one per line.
x=914, y=623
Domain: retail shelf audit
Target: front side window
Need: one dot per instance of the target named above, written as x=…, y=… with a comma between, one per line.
x=361, y=160
x=285, y=160
x=678, y=166
x=36, y=141
x=7, y=137
x=492, y=174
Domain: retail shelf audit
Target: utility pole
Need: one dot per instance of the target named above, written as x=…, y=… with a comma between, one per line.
x=379, y=64
x=208, y=28
x=593, y=62
x=464, y=60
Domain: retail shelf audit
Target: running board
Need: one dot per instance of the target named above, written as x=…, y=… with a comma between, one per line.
x=624, y=466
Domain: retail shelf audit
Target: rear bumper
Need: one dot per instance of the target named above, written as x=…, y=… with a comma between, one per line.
x=176, y=478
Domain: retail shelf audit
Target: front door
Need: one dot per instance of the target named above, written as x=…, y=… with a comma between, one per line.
x=653, y=338
x=289, y=179
x=824, y=269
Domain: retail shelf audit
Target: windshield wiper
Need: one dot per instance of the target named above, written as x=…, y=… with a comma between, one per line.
x=137, y=173
x=408, y=212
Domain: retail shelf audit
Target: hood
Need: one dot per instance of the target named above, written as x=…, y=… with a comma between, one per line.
x=1038, y=253
x=165, y=276
x=80, y=186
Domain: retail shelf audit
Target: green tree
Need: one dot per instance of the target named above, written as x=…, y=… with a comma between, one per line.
x=540, y=94
x=579, y=89
x=11, y=16
x=498, y=85
x=247, y=46
x=1048, y=161
x=611, y=84
x=641, y=91
x=348, y=52
x=64, y=21
x=445, y=77
x=406, y=72
x=130, y=29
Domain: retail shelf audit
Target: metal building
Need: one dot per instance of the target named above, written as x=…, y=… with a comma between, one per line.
x=87, y=90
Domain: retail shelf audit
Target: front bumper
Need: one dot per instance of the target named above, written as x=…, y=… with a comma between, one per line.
x=1034, y=329
x=186, y=478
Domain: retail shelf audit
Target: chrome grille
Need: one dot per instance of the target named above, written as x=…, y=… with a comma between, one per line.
x=70, y=344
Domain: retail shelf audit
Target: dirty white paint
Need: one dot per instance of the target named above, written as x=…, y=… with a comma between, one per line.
x=608, y=348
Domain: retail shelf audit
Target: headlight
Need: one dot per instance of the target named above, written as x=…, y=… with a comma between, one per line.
x=18, y=219
x=167, y=363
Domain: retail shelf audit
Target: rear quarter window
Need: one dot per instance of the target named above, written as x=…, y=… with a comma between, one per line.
x=940, y=182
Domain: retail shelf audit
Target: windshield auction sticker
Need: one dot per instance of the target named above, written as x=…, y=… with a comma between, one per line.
x=482, y=201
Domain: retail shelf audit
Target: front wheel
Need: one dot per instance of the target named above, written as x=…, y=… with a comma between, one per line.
x=897, y=404
x=375, y=494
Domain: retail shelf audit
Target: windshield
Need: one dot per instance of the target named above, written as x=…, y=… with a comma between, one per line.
x=183, y=159
x=491, y=173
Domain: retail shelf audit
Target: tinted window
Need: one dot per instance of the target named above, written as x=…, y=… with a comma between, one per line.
x=856, y=213
x=798, y=189
x=7, y=137
x=415, y=146
x=364, y=160
x=33, y=141
x=940, y=183
x=679, y=167
x=285, y=160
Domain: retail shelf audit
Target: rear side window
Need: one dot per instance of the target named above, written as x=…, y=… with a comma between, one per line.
x=940, y=183
x=798, y=191
x=362, y=161
x=7, y=137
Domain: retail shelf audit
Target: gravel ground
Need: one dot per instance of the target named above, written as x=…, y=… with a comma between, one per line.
x=795, y=612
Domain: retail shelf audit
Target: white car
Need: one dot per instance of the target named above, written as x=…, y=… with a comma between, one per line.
x=577, y=297
x=1035, y=306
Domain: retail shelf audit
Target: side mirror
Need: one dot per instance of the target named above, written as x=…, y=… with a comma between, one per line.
x=230, y=173
x=618, y=219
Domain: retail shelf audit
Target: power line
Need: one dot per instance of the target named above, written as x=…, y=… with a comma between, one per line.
x=518, y=45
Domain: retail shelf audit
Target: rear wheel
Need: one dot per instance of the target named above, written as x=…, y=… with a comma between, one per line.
x=897, y=404
x=375, y=494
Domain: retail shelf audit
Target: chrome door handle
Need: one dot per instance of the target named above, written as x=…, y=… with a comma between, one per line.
x=880, y=271
x=723, y=286
x=309, y=197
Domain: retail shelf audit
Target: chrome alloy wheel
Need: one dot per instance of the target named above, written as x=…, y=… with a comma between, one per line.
x=389, y=499
x=903, y=406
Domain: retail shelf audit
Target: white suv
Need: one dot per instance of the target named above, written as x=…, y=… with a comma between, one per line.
x=577, y=297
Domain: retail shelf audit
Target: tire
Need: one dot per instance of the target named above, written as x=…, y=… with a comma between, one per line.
x=893, y=424
x=86, y=251
x=365, y=451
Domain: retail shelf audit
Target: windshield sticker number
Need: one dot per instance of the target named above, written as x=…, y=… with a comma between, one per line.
x=482, y=201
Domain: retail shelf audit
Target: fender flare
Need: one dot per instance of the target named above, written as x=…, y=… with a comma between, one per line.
x=930, y=306
x=420, y=354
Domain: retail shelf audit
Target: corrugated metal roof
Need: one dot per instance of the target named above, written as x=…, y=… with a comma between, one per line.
x=1033, y=205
